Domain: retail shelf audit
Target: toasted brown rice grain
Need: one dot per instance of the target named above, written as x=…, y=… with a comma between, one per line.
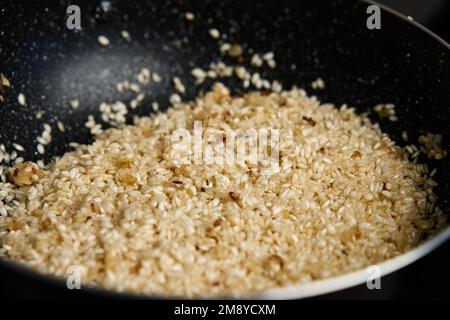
x=346, y=197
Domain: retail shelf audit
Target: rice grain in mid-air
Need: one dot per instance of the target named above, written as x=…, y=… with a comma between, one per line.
x=104, y=41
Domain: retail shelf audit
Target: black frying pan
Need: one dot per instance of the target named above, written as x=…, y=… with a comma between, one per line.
x=401, y=63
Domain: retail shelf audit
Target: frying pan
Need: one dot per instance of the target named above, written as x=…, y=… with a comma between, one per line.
x=401, y=63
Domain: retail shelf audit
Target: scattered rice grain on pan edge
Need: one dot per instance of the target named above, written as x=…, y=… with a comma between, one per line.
x=346, y=197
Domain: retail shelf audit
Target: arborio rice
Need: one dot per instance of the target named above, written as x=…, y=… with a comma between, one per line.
x=123, y=212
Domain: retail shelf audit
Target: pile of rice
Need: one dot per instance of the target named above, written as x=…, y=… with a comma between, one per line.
x=346, y=197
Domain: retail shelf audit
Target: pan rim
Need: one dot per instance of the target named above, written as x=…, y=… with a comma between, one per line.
x=410, y=20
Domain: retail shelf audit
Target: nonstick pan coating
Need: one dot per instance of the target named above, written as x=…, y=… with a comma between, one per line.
x=401, y=63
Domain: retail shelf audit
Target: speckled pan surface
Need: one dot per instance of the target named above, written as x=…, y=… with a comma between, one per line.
x=52, y=65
